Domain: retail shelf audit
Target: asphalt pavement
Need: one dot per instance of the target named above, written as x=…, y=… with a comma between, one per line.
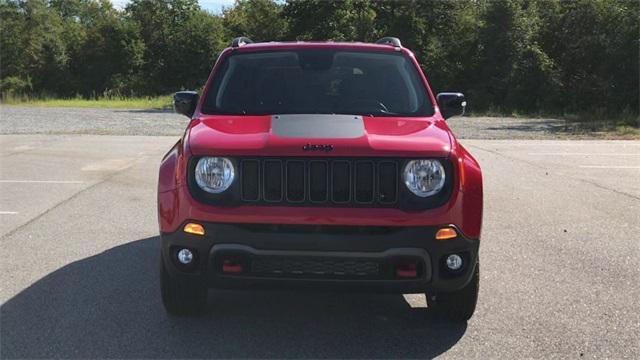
x=560, y=255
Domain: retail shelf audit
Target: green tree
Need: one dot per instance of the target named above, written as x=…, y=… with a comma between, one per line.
x=596, y=45
x=442, y=34
x=514, y=72
x=260, y=20
x=180, y=42
x=33, y=54
x=105, y=48
x=13, y=77
x=196, y=44
x=349, y=20
x=549, y=56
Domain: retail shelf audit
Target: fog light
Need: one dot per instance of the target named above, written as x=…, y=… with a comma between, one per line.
x=185, y=256
x=454, y=262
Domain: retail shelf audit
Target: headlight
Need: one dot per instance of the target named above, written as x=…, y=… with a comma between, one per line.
x=214, y=174
x=424, y=177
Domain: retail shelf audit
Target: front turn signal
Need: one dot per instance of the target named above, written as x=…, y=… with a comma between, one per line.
x=193, y=228
x=446, y=234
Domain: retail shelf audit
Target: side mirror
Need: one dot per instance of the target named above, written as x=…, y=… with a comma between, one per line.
x=184, y=102
x=451, y=104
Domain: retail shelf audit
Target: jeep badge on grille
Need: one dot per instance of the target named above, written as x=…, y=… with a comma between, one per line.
x=314, y=147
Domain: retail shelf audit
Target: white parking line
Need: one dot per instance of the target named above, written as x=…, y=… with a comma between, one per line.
x=8, y=212
x=608, y=167
x=40, y=182
x=581, y=154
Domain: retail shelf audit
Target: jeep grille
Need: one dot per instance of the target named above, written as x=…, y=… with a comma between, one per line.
x=320, y=181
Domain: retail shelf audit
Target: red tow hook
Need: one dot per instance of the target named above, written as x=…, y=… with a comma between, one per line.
x=409, y=270
x=231, y=267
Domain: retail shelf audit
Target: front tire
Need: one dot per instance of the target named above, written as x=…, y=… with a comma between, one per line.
x=179, y=297
x=457, y=306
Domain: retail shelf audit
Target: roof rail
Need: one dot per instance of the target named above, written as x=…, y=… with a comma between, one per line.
x=393, y=41
x=240, y=41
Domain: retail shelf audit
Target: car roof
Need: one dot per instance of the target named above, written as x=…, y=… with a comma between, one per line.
x=275, y=45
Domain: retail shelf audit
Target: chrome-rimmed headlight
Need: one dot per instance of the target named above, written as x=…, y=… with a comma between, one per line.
x=424, y=177
x=214, y=174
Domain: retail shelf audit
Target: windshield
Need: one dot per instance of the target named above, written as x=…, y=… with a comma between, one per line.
x=316, y=81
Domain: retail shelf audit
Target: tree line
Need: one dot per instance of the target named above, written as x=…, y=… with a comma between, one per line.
x=527, y=56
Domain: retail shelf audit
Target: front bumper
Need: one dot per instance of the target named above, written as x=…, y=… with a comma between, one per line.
x=321, y=256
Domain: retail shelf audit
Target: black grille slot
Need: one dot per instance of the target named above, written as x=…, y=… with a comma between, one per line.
x=320, y=181
x=272, y=180
x=250, y=180
x=387, y=182
x=341, y=181
x=295, y=181
x=364, y=181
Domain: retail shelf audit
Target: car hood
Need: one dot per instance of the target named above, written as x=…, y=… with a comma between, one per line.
x=318, y=135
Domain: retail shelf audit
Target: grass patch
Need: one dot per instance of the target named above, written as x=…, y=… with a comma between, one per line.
x=157, y=103
x=628, y=131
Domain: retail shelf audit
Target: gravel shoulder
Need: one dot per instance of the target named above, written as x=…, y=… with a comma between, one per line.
x=510, y=128
x=77, y=121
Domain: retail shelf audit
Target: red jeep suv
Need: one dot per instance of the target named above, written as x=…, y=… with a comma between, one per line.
x=320, y=164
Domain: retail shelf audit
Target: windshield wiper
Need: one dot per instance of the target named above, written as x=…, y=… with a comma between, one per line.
x=383, y=112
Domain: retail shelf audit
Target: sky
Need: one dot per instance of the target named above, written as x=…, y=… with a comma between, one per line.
x=214, y=6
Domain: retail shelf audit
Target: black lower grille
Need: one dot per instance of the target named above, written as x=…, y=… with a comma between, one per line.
x=315, y=267
x=320, y=181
